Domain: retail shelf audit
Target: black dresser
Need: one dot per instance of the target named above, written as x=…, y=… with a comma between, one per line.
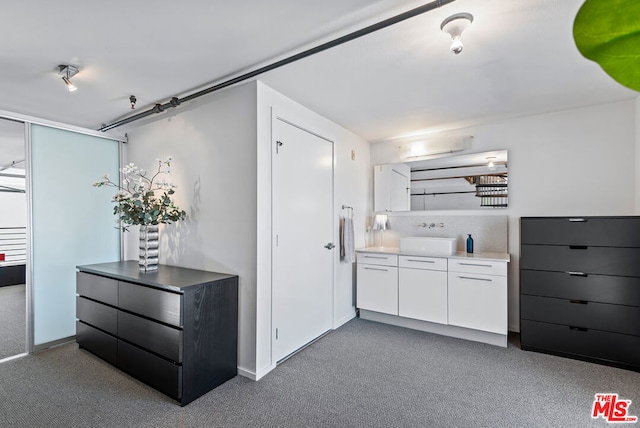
x=580, y=288
x=175, y=329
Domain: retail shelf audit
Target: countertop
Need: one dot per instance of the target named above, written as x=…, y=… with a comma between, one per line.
x=495, y=257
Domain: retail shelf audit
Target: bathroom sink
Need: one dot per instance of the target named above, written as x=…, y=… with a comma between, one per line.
x=421, y=244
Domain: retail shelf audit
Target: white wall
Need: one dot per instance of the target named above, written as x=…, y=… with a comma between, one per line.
x=352, y=187
x=14, y=209
x=579, y=162
x=212, y=141
x=221, y=145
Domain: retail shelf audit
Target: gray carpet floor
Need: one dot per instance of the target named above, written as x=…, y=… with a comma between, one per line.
x=364, y=374
x=12, y=320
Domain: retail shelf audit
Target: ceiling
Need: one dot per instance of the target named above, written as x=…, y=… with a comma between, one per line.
x=519, y=59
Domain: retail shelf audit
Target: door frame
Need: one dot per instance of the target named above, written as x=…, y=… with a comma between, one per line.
x=276, y=115
x=27, y=120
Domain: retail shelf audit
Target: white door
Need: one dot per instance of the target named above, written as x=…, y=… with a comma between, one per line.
x=302, y=293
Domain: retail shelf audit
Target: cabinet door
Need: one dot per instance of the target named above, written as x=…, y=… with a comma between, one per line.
x=378, y=288
x=391, y=186
x=478, y=302
x=422, y=294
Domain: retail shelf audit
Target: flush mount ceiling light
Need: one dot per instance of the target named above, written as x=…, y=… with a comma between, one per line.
x=454, y=26
x=67, y=72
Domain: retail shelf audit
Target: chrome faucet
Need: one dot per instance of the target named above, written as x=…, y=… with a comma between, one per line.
x=430, y=225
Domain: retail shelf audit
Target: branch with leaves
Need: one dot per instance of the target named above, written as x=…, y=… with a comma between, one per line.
x=136, y=200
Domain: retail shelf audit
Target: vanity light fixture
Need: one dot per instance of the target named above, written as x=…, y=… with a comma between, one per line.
x=67, y=72
x=454, y=26
x=490, y=163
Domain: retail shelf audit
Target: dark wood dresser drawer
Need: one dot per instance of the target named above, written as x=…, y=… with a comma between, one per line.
x=97, y=314
x=596, y=260
x=150, y=335
x=103, y=345
x=160, y=305
x=175, y=329
x=589, y=231
x=611, y=348
x=579, y=313
x=594, y=288
x=161, y=374
x=97, y=288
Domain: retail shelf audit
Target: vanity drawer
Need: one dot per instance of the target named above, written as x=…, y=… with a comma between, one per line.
x=150, y=335
x=477, y=301
x=151, y=369
x=604, y=232
x=598, y=260
x=378, y=259
x=377, y=288
x=97, y=288
x=422, y=262
x=594, y=288
x=98, y=315
x=589, y=344
x=478, y=266
x=97, y=342
x=150, y=302
x=583, y=314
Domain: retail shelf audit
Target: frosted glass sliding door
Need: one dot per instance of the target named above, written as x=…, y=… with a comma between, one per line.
x=72, y=222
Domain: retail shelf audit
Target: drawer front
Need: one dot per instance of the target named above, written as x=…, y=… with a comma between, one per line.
x=604, y=232
x=378, y=259
x=593, y=288
x=421, y=262
x=613, y=347
x=161, y=374
x=98, y=315
x=157, y=304
x=478, y=266
x=97, y=342
x=580, y=313
x=422, y=295
x=478, y=301
x=377, y=288
x=596, y=260
x=150, y=335
x=97, y=288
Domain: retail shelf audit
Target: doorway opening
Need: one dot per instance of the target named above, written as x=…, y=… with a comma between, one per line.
x=13, y=239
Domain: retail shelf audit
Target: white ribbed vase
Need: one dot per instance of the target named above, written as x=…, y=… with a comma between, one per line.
x=148, y=260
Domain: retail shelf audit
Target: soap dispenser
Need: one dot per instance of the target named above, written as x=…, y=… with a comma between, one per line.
x=469, y=244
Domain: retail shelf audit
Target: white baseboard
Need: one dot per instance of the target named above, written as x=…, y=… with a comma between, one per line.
x=443, y=329
x=342, y=321
x=253, y=375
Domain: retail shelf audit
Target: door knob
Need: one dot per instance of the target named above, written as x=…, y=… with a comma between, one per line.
x=329, y=246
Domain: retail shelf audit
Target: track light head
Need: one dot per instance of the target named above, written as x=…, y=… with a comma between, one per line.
x=67, y=72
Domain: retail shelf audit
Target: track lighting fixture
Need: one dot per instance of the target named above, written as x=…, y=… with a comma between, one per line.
x=454, y=26
x=133, y=100
x=67, y=72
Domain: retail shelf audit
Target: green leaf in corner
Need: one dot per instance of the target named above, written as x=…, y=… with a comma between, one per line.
x=608, y=33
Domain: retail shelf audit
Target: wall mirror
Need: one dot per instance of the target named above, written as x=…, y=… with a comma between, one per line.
x=458, y=182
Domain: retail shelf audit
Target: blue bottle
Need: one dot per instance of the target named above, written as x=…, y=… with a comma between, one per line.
x=469, y=244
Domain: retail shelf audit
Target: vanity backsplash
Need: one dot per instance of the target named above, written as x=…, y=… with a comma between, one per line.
x=489, y=232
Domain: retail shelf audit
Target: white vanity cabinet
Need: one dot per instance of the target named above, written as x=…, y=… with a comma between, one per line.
x=422, y=288
x=460, y=295
x=478, y=295
x=378, y=283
